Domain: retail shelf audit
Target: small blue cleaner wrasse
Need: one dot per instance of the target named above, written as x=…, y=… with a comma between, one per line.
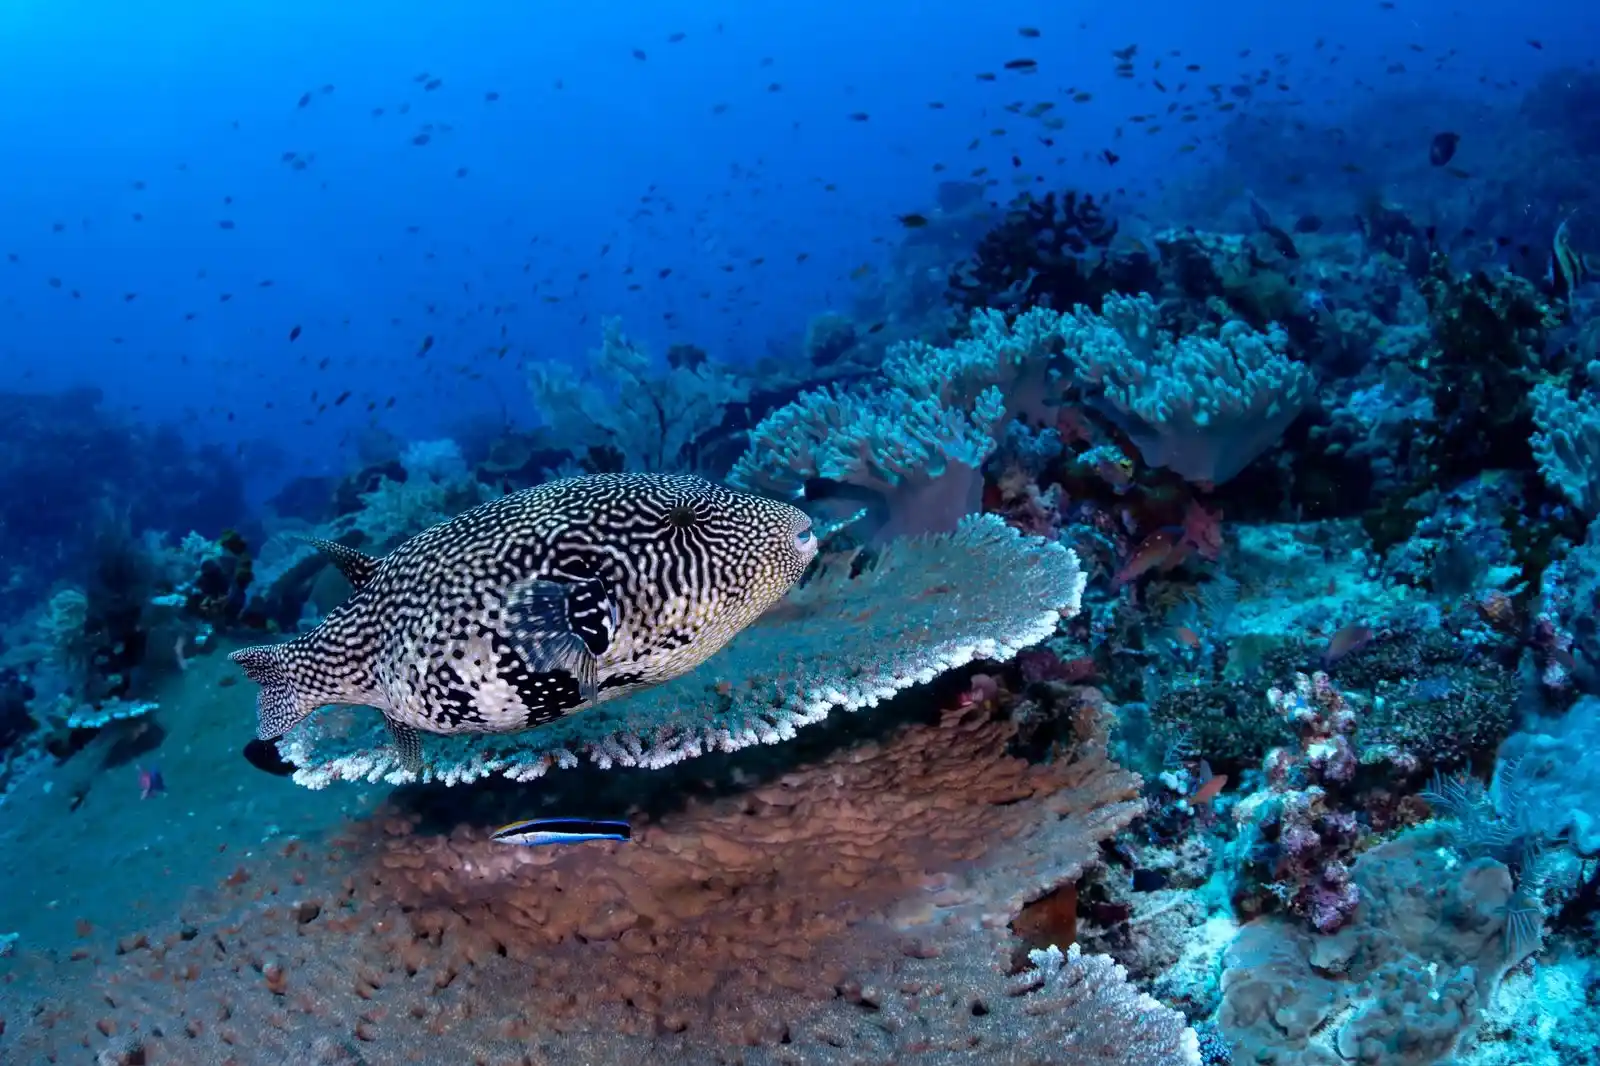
x=536, y=831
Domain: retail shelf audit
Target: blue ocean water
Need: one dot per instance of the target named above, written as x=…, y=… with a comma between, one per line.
x=1041, y=533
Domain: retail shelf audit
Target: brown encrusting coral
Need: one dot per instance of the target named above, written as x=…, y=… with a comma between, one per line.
x=749, y=917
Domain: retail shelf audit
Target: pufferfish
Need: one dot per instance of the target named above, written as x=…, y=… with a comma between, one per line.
x=537, y=605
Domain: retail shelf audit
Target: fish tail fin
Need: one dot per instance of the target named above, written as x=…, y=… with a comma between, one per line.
x=281, y=703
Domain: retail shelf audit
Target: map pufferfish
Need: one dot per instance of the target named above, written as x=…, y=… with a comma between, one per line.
x=537, y=605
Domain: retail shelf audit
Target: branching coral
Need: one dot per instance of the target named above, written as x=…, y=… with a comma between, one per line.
x=929, y=605
x=1051, y=251
x=1202, y=406
x=648, y=417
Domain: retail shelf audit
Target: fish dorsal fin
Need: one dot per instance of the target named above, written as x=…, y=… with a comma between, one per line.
x=357, y=566
x=562, y=626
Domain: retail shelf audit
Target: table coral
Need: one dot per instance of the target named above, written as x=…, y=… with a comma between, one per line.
x=851, y=907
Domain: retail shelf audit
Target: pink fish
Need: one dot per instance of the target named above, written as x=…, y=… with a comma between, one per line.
x=1350, y=638
x=150, y=782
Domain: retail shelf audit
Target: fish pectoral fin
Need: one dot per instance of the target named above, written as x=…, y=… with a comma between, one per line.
x=408, y=743
x=357, y=567
x=564, y=627
x=593, y=615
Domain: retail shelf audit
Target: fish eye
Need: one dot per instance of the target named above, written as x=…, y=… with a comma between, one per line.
x=805, y=539
x=682, y=516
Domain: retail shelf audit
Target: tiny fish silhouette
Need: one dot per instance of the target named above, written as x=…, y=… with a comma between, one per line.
x=1443, y=148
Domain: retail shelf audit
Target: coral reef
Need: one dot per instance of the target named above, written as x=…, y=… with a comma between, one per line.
x=623, y=412
x=1203, y=406
x=1210, y=570
x=1405, y=982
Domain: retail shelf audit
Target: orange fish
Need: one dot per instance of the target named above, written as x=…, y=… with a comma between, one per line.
x=1162, y=549
x=1209, y=791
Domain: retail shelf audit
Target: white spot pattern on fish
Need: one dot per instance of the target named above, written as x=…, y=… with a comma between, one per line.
x=537, y=605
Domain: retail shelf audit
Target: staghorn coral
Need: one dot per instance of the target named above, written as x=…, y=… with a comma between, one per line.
x=848, y=908
x=929, y=605
x=1202, y=406
x=625, y=411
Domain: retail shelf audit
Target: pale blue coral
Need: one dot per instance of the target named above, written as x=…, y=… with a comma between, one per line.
x=1011, y=356
x=652, y=414
x=438, y=461
x=919, y=440
x=1567, y=442
x=1203, y=406
x=877, y=440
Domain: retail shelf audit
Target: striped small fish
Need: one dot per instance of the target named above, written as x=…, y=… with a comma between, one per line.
x=536, y=832
x=1568, y=267
x=537, y=605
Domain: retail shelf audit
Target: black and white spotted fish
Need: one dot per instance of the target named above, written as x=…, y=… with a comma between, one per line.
x=537, y=605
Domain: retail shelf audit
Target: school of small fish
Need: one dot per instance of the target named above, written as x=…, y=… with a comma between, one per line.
x=1031, y=113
